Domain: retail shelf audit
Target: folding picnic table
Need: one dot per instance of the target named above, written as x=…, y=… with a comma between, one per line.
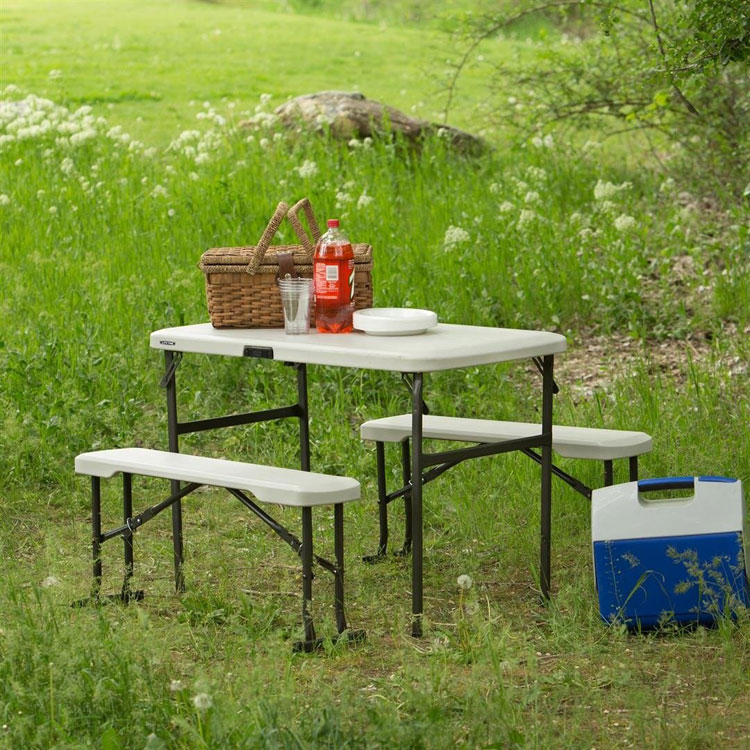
x=445, y=347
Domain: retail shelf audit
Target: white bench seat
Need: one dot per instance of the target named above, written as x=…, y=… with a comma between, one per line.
x=269, y=484
x=569, y=442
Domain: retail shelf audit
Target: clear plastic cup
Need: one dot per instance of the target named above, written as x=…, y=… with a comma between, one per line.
x=296, y=299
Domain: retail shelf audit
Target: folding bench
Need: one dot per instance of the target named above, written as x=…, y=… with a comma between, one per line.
x=268, y=484
x=570, y=442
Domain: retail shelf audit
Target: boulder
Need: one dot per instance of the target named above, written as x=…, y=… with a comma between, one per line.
x=351, y=115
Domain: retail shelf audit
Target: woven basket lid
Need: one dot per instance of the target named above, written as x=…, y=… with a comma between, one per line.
x=215, y=259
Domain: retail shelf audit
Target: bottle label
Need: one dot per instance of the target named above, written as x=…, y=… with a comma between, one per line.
x=334, y=281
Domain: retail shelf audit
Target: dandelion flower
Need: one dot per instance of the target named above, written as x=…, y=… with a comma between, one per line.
x=159, y=191
x=464, y=582
x=203, y=701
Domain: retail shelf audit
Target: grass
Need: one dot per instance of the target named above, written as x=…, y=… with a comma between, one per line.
x=99, y=246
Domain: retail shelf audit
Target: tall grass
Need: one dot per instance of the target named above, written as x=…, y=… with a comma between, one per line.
x=100, y=241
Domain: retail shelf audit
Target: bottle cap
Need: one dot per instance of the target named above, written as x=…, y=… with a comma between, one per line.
x=333, y=223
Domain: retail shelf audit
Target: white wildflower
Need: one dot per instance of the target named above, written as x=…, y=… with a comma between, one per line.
x=536, y=174
x=203, y=701
x=668, y=185
x=53, y=210
x=202, y=158
x=455, y=236
x=67, y=166
x=175, y=686
x=591, y=146
x=277, y=137
x=464, y=582
x=55, y=74
x=159, y=191
x=549, y=141
x=526, y=218
x=495, y=188
x=354, y=143
x=308, y=169
x=82, y=136
x=537, y=142
x=171, y=213
x=194, y=176
x=531, y=197
x=263, y=142
x=4, y=199
x=364, y=200
x=624, y=223
x=604, y=190
x=342, y=199
x=265, y=98
x=367, y=142
x=585, y=233
x=18, y=162
x=50, y=581
x=505, y=207
x=607, y=207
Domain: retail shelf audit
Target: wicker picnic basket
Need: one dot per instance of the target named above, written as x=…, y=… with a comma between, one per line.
x=241, y=282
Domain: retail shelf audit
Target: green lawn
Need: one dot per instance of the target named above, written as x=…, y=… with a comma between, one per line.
x=99, y=241
x=159, y=61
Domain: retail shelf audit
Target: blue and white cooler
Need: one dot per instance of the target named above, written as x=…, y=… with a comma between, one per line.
x=681, y=560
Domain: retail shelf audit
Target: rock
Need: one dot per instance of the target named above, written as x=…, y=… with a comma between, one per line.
x=352, y=115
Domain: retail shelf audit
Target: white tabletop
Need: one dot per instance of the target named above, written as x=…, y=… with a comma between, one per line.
x=444, y=347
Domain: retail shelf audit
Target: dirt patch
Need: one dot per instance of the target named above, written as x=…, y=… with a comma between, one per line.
x=597, y=361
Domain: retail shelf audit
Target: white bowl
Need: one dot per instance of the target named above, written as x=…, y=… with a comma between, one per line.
x=394, y=321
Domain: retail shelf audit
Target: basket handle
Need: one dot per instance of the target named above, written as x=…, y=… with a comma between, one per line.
x=265, y=240
x=308, y=240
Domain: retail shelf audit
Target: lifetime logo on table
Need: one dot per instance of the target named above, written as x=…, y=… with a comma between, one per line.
x=167, y=343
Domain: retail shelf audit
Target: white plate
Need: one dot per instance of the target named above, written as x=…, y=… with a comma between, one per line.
x=394, y=321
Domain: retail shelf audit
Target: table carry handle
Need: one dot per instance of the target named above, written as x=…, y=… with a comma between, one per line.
x=265, y=240
x=308, y=240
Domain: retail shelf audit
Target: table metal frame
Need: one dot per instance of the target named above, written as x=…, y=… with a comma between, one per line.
x=423, y=465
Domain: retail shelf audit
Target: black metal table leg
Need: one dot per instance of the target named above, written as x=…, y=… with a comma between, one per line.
x=307, y=576
x=546, y=500
x=406, y=477
x=338, y=543
x=382, y=499
x=171, y=389
x=304, y=419
x=416, y=506
x=127, y=539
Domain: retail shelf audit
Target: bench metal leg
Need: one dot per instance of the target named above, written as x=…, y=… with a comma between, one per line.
x=96, y=534
x=634, y=468
x=307, y=576
x=609, y=478
x=338, y=544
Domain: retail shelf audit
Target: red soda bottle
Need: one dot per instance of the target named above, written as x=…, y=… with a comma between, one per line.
x=333, y=272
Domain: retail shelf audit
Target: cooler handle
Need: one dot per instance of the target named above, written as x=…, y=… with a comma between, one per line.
x=666, y=483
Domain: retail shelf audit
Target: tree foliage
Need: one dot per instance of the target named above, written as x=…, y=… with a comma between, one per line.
x=676, y=66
